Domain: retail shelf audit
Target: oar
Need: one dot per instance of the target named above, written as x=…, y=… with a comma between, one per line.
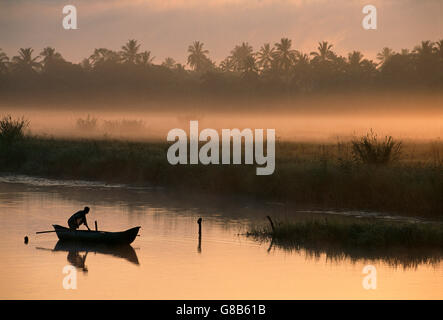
x=45, y=231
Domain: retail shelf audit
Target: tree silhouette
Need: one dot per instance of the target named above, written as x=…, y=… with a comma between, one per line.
x=240, y=57
x=25, y=62
x=405, y=52
x=278, y=69
x=426, y=61
x=265, y=57
x=324, y=52
x=103, y=55
x=129, y=53
x=227, y=65
x=250, y=64
x=284, y=56
x=169, y=63
x=355, y=58
x=425, y=49
x=438, y=48
x=384, y=55
x=145, y=59
x=197, y=58
x=4, y=62
x=50, y=56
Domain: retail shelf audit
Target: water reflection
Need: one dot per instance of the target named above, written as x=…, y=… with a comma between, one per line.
x=199, y=248
x=77, y=252
x=232, y=265
x=407, y=258
x=121, y=251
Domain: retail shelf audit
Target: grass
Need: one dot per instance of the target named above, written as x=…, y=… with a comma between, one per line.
x=315, y=175
x=363, y=234
x=370, y=150
x=406, y=244
x=12, y=130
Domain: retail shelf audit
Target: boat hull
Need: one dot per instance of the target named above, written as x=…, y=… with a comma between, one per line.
x=123, y=237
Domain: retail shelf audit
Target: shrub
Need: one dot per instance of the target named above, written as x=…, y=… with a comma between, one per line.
x=12, y=130
x=370, y=150
x=123, y=126
x=88, y=124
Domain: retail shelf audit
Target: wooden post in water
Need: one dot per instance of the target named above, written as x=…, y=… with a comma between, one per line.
x=199, y=221
x=199, y=248
x=96, y=228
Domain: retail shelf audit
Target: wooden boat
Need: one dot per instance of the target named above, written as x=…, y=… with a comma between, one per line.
x=123, y=237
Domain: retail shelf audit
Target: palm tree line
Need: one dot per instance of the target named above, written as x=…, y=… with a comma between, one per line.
x=280, y=62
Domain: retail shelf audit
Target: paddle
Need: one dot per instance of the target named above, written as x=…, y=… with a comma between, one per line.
x=45, y=231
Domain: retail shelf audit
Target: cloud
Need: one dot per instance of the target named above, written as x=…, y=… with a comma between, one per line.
x=167, y=27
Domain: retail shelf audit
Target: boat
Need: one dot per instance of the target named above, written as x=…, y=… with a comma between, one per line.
x=123, y=237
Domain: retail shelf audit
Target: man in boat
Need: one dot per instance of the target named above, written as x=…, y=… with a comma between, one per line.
x=78, y=218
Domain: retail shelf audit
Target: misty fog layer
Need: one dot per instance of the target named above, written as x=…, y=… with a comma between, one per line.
x=326, y=118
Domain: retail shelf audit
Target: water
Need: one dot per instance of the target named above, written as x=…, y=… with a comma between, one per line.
x=168, y=262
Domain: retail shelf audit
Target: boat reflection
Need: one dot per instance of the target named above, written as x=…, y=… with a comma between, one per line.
x=77, y=252
x=78, y=260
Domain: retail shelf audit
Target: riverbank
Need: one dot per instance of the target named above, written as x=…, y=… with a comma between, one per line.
x=318, y=175
x=404, y=244
x=351, y=233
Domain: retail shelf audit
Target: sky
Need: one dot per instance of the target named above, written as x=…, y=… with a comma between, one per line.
x=167, y=27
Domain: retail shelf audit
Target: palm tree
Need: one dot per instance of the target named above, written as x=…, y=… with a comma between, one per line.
x=425, y=49
x=239, y=56
x=169, y=63
x=50, y=55
x=265, y=57
x=180, y=67
x=25, y=61
x=438, y=49
x=284, y=56
x=227, y=65
x=129, y=53
x=250, y=64
x=324, y=52
x=384, y=55
x=102, y=55
x=4, y=62
x=355, y=59
x=404, y=52
x=302, y=58
x=145, y=59
x=86, y=64
x=197, y=58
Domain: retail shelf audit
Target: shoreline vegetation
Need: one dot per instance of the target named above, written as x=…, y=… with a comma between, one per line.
x=404, y=244
x=368, y=173
x=276, y=71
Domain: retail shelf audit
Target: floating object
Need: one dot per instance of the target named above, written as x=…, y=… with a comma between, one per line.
x=123, y=237
x=26, y=239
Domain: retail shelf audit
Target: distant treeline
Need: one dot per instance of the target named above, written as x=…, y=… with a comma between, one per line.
x=272, y=69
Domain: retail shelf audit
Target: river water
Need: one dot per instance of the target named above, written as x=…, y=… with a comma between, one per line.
x=167, y=260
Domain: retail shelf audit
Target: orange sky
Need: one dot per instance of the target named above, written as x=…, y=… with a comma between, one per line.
x=167, y=27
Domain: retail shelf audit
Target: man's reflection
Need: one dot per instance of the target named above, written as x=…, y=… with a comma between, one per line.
x=77, y=260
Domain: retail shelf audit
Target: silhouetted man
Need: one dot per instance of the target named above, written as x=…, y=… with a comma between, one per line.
x=78, y=218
